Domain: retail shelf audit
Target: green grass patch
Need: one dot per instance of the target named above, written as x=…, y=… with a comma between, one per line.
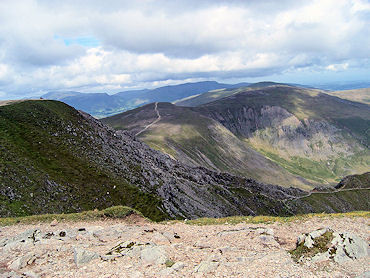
x=262, y=219
x=116, y=212
x=321, y=244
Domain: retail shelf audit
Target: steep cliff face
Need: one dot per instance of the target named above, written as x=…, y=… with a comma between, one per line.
x=319, y=137
x=274, y=127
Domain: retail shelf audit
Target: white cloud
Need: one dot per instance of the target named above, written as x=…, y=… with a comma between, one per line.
x=337, y=67
x=146, y=43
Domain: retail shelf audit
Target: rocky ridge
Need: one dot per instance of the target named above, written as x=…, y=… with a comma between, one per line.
x=126, y=171
x=142, y=249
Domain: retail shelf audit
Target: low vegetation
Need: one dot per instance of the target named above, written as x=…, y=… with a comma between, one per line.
x=321, y=245
x=116, y=212
x=121, y=212
x=263, y=219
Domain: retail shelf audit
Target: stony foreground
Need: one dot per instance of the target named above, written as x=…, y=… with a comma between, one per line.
x=138, y=248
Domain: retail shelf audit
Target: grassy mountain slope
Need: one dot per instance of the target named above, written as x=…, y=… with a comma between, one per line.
x=197, y=140
x=309, y=133
x=49, y=164
x=355, y=181
x=358, y=95
x=55, y=159
x=357, y=199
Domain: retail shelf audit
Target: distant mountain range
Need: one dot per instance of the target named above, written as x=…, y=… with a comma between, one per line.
x=102, y=105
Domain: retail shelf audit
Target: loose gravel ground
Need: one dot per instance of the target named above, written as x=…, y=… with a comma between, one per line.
x=242, y=250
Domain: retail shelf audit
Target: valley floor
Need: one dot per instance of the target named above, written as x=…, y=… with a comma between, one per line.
x=225, y=250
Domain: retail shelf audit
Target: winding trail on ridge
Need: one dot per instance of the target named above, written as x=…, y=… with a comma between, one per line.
x=154, y=122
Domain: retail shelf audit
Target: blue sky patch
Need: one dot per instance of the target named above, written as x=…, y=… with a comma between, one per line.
x=84, y=41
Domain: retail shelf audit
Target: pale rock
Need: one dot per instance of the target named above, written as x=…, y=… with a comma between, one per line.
x=265, y=231
x=206, y=267
x=31, y=274
x=82, y=256
x=348, y=246
x=319, y=232
x=342, y=248
x=136, y=274
x=178, y=265
x=31, y=236
x=135, y=251
x=364, y=275
x=320, y=257
x=3, y=242
x=268, y=240
x=153, y=255
x=224, y=249
x=308, y=242
x=166, y=272
x=54, y=223
x=23, y=261
x=160, y=238
x=11, y=274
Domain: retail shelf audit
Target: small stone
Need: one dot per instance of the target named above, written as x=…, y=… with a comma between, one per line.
x=23, y=261
x=206, y=267
x=269, y=240
x=364, y=275
x=54, y=223
x=11, y=274
x=154, y=255
x=265, y=231
x=110, y=257
x=82, y=256
x=308, y=242
x=319, y=232
x=136, y=274
x=321, y=257
x=161, y=238
x=178, y=265
x=176, y=235
x=224, y=249
x=31, y=274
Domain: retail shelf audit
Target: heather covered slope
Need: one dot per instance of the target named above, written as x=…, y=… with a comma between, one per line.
x=197, y=140
x=319, y=137
x=52, y=160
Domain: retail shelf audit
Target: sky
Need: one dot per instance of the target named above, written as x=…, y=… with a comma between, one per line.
x=111, y=46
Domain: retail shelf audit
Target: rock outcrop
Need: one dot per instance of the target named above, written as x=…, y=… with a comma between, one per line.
x=325, y=244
